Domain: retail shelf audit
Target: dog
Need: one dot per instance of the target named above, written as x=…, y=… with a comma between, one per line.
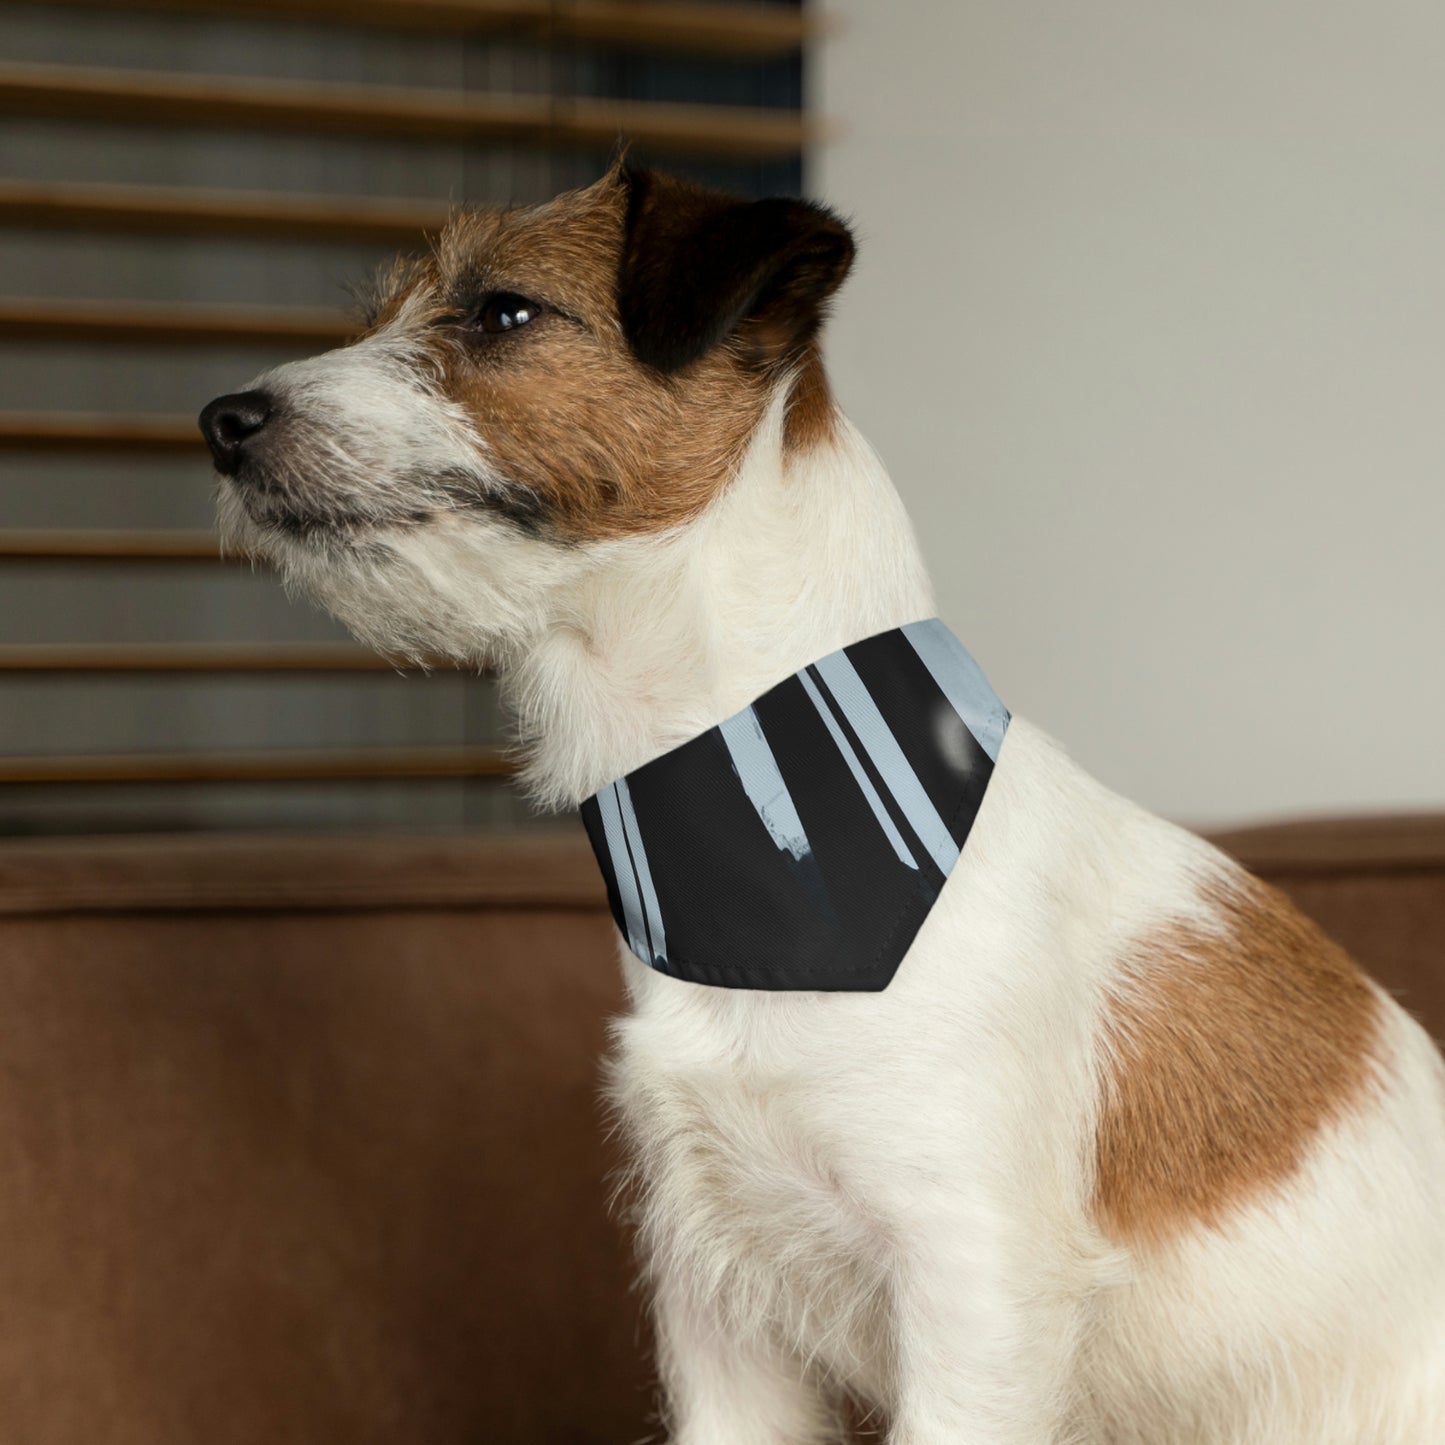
x=1127, y=1152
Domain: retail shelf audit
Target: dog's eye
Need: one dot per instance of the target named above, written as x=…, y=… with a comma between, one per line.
x=505, y=311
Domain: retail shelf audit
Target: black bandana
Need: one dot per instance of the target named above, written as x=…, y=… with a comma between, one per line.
x=801, y=843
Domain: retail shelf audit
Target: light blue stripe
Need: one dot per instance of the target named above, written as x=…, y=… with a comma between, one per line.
x=882, y=747
x=865, y=783
x=757, y=769
x=644, y=873
x=961, y=681
x=622, y=869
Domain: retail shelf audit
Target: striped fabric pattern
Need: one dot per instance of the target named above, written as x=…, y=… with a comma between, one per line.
x=801, y=842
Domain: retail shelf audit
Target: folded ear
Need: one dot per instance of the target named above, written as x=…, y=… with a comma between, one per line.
x=699, y=267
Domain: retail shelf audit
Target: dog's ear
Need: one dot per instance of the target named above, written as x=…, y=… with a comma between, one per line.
x=699, y=267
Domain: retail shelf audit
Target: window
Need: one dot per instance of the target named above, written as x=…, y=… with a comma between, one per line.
x=188, y=192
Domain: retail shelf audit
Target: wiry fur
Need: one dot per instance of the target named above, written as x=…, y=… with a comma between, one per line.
x=896, y=1196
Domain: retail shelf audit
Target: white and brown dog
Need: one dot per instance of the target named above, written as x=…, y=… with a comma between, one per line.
x=1127, y=1152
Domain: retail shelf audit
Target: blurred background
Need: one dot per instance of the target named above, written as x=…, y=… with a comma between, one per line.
x=190, y=194
x=1149, y=324
x=301, y=1008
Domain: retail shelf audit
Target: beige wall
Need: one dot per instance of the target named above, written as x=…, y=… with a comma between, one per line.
x=1149, y=324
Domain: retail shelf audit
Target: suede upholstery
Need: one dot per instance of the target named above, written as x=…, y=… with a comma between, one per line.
x=300, y=1141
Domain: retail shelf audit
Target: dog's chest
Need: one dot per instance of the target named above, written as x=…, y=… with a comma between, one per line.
x=747, y=1186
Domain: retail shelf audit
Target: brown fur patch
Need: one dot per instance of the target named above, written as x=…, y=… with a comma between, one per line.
x=1228, y=1051
x=812, y=413
x=595, y=442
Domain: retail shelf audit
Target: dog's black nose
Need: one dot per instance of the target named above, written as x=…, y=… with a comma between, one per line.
x=229, y=422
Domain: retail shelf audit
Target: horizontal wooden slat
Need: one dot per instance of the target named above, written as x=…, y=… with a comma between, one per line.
x=170, y=324
x=1359, y=844
x=215, y=101
x=264, y=767
x=94, y=431
x=179, y=657
x=309, y=871
x=170, y=210
x=704, y=29
x=107, y=546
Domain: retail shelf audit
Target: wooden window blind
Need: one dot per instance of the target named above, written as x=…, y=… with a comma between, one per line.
x=187, y=190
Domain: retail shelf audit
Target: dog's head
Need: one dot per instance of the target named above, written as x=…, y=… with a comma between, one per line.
x=546, y=383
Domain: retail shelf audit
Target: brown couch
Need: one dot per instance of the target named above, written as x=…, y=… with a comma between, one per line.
x=299, y=1141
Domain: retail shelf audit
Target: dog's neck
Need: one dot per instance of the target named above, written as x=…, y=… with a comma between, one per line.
x=666, y=636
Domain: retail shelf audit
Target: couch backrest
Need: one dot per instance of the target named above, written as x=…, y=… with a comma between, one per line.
x=299, y=1142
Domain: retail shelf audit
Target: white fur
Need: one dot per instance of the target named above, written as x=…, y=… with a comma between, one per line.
x=889, y=1194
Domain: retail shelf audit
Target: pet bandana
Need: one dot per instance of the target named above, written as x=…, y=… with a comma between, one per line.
x=801, y=843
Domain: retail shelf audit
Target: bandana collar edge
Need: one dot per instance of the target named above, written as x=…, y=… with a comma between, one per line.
x=801, y=842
